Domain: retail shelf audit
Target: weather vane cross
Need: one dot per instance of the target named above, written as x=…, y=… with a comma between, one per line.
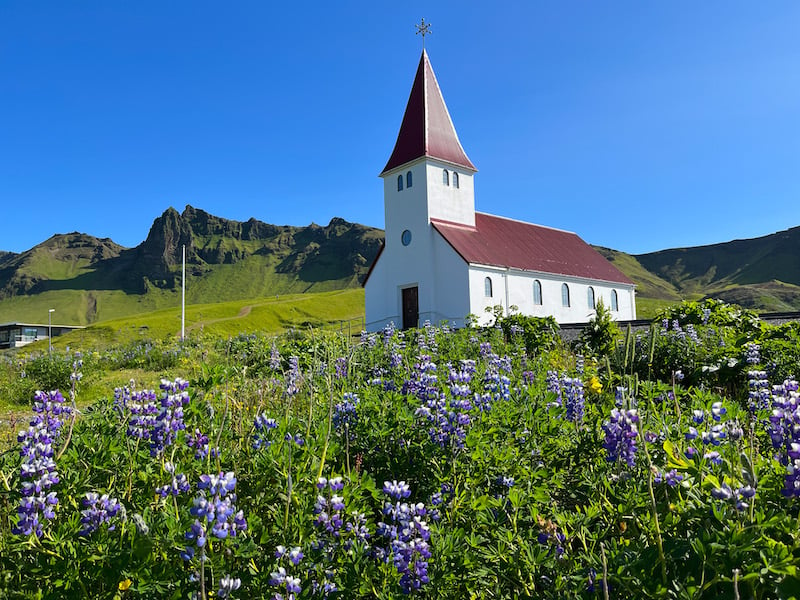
x=424, y=29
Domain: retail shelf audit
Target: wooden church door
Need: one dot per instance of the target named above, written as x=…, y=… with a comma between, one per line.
x=410, y=307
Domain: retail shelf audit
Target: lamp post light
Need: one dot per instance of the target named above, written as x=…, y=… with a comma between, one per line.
x=50, y=330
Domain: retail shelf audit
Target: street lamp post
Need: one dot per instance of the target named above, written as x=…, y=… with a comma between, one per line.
x=50, y=330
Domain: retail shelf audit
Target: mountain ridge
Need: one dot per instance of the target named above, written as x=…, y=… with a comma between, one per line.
x=89, y=278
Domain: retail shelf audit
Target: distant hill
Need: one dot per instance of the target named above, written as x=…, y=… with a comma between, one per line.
x=88, y=279
x=761, y=273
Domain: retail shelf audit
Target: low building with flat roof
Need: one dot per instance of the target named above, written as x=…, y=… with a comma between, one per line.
x=15, y=335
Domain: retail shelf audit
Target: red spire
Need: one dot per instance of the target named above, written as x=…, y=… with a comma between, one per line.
x=427, y=129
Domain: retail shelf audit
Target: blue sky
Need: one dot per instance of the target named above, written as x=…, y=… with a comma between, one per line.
x=638, y=125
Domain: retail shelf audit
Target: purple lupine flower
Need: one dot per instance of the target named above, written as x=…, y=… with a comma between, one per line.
x=99, y=510
x=228, y=585
x=274, y=358
x=752, y=353
x=671, y=478
x=396, y=489
x=262, y=425
x=341, y=367
x=621, y=431
x=405, y=538
x=573, y=401
x=214, y=509
x=38, y=469
x=293, y=376
x=281, y=579
x=199, y=441
x=345, y=414
x=170, y=417
x=759, y=390
x=179, y=484
x=717, y=410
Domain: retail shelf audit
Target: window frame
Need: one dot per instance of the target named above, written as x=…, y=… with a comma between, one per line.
x=409, y=180
x=565, y=300
x=400, y=182
x=488, y=287
x=537, y=293
x=591, y=298
x=445, y=177
x=455, y=180
x=614, y=301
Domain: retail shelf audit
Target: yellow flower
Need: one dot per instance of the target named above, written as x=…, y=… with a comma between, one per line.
x=124, y=584
x=594, y=385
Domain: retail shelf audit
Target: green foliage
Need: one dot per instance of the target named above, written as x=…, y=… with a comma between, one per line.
x=539, y=333
x=519, y=500
x=600, y=335
x=50, y=372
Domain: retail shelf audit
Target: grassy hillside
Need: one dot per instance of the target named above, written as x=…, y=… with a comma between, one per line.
x=270, y=314
x=89, y=280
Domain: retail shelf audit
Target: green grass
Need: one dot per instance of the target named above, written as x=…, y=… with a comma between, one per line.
x=270, y=314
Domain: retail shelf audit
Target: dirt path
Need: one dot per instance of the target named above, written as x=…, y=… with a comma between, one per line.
x=243, y=312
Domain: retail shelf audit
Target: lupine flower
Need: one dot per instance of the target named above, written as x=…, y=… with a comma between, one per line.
x=671, y=478
x=282, y=579
x=293, y=376
x=341, y=367
x=345, y=415
x=759, y=390
x=38, y=469
x=215, y=510
x=574, y=401
x=263, y=425
x=179, y=484
x=99, y=510
x=199, y=441
x=752, y=353
x=621, y=431
x=717, y=410
x=170, y=418
x=405, y=537
x=228, y=585
x=274, y=358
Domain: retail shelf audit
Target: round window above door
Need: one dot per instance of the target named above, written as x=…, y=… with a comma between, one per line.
x=405, y=237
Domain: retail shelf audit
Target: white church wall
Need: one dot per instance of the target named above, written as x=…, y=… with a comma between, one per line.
x=446, y=201
x=452, y=284
x=511, y=287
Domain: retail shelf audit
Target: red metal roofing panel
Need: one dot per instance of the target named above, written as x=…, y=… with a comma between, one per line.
x=427, y=129
x=501, y=242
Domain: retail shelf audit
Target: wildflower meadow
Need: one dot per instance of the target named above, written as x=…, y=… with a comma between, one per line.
x=495, y=462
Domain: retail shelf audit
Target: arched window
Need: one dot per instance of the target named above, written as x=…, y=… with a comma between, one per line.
x=487, y=286
x=408, y=179
x=537, y=292
x=455, y=179
x=614, y=300
x=399, y=183
x=564, y=294
x=590, y=297
x=445, y=177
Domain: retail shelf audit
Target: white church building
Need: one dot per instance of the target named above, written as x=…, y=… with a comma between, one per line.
x=441, y=260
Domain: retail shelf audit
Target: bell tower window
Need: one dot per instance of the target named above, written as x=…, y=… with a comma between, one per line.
x=399, y=183
x=445, y=177
x=408, y=179
x=455, y=180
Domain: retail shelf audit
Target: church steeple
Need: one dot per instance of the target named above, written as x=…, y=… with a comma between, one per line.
x=427, y=129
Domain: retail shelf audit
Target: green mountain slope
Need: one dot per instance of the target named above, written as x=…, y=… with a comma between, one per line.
x=87, y=279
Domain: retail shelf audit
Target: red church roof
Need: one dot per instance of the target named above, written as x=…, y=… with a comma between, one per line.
x=427, y=129
x=501, y=242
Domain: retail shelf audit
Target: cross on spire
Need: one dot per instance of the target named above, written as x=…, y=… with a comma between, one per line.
x=424, y=29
